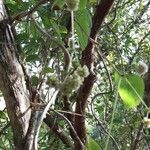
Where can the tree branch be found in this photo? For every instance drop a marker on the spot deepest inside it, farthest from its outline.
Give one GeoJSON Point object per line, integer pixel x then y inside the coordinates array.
{"type": "Point", "coordinates": [50, 121]}
{"type": "Point", "coordinates": [87, 59]}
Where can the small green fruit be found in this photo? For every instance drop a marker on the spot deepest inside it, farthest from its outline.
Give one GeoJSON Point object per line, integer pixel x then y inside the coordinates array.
{"type": "Point", "coordinates": [52, 81]}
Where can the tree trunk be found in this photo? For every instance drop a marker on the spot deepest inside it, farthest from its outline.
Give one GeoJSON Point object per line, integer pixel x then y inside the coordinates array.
{"type": "Point", "coordinates": [87, 59]}
{"type": "Point", "coordinates": [12, 82]}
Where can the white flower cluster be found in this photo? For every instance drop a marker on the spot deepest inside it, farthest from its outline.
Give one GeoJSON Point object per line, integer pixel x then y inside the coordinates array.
{"type": "Point", "coordinates": [74, 81]}
{"type": "Point", "coordinates": [72, 4]}
{"type": "Point", "coordinates": [146, 122]}
{"type": "Point", "coordinates": [142, 68]}
{"type": "Point", "coordinates": [52, 81]}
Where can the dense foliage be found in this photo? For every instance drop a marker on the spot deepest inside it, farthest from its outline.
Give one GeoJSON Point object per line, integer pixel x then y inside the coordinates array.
{"type": "Point", "coordinates": [51, 37]}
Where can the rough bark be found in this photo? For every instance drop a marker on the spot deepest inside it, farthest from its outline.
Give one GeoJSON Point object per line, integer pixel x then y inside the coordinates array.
{"type": "Point", "coordinates": [87, 59]}
{"type": "Point", "coordinates": [12, 82]}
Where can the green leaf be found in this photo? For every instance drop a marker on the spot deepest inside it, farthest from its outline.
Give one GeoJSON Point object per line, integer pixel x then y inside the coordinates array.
{"type": "Point", "coordinates": [63, 29]}
{"type": "Point", "coordinates": [3, 115]}
{"type": "Point", "coordinates": [82, 4]}
{"type": "Point", "coordinates": [13, 7]}
{"type": "Point", "coordinates": [24, 6]}
{"type": "Point", "coordinates": [131, 90]}
{"type": "Point", "coordinates": [32, 58]}
{"type": "Point", "coordinates": [92, 145]}
{"type": "Point", "coordinates": [117, 77]}
{"type": "Point", "coordinates": [34, 80]}
{"type": "Point", "coordinates": [141, 6]}
{"type": "Point", "coordinates": [34, 30]}
{"type": "Point", "coordinates": [22, 37]}
{"type": "Point", "coordinates": [83, 25]}
{"type": "Point", "coordinates": [55, 27]}
{"type": "Point", "coordinates": [48, 70]}
{"type": "Point", "coordinates": [46, 21]}
{"type": "Point", "coordinates": [18, 6]}
{"type": "Point", "coordinates": [32, 47]}
{"type": "Point", "coordinates": [93, 1]}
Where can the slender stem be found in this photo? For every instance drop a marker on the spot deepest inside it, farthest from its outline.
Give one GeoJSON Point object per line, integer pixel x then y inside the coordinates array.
{"type": "Point", "coordinates": [113, 114]}
{"type": "Point", "coordinates": [72, 29]}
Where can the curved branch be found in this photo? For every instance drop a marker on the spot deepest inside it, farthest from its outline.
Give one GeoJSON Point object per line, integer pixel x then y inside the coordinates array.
{"type": "Point", "coordinates": [100, 123]}
{"type": "Point", "coordinates": [49, 121]}
{"type": "Point", "coordinates": [71, 126]}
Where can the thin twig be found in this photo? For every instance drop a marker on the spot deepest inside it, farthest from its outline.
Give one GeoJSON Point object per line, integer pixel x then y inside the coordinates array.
{"type": "Point", "coordinates": [69, 123]}
{"type": "Point", "coordinates": [40, 106]}
{"type": "Point", "coordinates": [114, 17]}
{"type": "Point", "coordinates": [108, 74]}
{"type": "Point", "coordinates": [100, 123]}
{"type": "Point", "coordinates": [58, 131]}
{"type": "Point", "coordinates": [41, 116]}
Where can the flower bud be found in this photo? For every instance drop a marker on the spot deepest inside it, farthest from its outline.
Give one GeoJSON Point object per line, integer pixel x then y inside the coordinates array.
{"type": "Point", "coordinates": [142, 68]}
{"type": "Point", "coordinates": [72, 4]}
{"type": "Point", "coordinates": [146, 122]}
